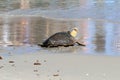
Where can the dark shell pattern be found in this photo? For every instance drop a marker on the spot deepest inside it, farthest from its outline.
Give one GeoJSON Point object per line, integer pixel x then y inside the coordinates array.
{"type": "Point", "coordinates": [59, 39]}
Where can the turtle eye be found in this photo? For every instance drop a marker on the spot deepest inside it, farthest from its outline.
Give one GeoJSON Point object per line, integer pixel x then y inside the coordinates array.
{"type": "Point", "coordinates": [76, 30]}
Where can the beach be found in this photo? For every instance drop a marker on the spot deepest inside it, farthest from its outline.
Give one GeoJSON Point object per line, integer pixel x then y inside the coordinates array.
{"type": "Point", "coordinates": [40, 65]}
{"type": "Point", "coordinates": [26, 23]}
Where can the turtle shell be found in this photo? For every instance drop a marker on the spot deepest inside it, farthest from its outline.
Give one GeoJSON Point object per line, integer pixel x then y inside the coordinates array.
{"type": "Point", "coordinates": [59, 39]}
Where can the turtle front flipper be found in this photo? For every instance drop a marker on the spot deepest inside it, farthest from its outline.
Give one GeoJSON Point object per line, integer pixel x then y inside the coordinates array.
{"type": "Point", "coordinates": [80, 44]}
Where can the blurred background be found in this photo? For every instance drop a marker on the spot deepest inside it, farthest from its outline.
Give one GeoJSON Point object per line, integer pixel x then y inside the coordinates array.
{"type": "Point", "coordinates": [32, 21]}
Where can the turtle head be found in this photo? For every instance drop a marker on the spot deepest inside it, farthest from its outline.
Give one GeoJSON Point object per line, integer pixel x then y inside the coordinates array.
{"type": "Point", "coordinates": [74, 32]}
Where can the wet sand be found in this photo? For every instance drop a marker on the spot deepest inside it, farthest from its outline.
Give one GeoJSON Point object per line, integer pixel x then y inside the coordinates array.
{"type": "Point", "coordinates": [43, 66]}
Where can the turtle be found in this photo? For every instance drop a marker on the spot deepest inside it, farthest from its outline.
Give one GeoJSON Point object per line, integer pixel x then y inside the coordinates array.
{"type": "Point", "coordinates": [66, 38]}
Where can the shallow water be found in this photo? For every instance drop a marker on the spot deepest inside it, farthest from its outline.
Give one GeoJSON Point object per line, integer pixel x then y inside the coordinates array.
{"type": "Point", "coordinates": [31, 22]}
{"type": "Point", "coordinates": [100, 36]}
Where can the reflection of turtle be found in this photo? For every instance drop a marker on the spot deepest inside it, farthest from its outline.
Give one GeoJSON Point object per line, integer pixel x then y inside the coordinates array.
{"type": "Point", "coordinates": [62, 39]}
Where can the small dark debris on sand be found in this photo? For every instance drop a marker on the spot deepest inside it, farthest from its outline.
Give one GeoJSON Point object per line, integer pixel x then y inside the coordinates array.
{"type": "Point", "coordinates": [58, 71]}
{"type": "Point", "coordinates": [55, 75]}
{"type": "Point", "coordinates": [1, 58]}
{"type": "Point", "coordinates": [35, 70]}
{"type": "Point", "coordinates": [45, 61]}
{"type": "Point", "coordinates": [37, 62]}
{"type": "Point", "coordinates": [13, 65]}
{"type": "Point", "coordinates": [37, 74]}
{"type": "Point", "coordinates": [1, 67]}
{"type": "Point", "coordinates": [11, 61]}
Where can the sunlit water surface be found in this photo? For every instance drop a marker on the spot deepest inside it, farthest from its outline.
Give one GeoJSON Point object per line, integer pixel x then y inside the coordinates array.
{"type": "Point", "coordinates": [27, 23]}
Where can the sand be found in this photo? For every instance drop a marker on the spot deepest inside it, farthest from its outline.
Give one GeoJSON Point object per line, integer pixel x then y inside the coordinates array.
{"type": "Point", "coordinates": [43, 66]}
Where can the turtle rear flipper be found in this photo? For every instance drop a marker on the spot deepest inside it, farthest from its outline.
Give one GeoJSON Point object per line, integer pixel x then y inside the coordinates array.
{"type": "Point", "coordinates": [42, 45]}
